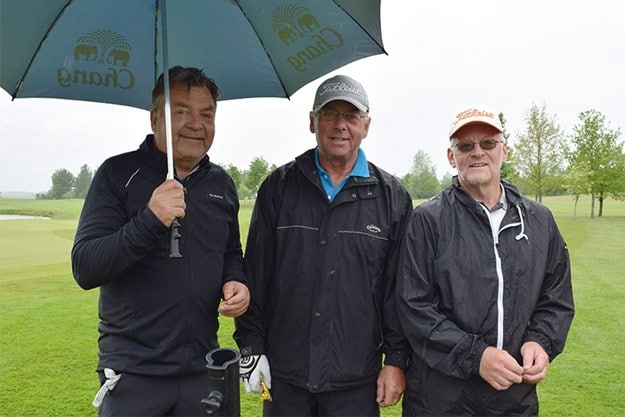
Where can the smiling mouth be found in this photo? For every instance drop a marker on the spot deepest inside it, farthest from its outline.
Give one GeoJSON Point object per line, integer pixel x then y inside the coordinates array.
{"type": "Point", "coordinates": [191, 138]}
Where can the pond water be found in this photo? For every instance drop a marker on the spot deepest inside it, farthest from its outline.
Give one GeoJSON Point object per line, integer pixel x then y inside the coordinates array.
{"type": "Point", "coordinates": [20, 217]}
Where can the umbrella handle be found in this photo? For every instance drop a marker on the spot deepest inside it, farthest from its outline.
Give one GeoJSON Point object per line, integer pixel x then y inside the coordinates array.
{"type": "Point", "coordinates": [174, 237]}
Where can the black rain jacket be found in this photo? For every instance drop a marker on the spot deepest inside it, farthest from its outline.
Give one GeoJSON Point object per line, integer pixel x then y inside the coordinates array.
{"type": "Point", "coordinates": [322, 277]}
{"type": "Point", "coordinates": [158, 315]}
{"type": "Point", "coordinates": [458, 289]}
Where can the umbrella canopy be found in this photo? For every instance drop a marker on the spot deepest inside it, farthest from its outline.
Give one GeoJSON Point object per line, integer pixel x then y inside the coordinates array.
{"type": "Point", "coordinates": [111, 51]}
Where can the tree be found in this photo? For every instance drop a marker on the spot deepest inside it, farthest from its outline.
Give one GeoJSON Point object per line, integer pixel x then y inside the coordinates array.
{"type": "Point", "coordinates": [508, 172]}
{"type": "Point", "coordinates": [576, 182]}
{"type": "Point", "coordinates": [62, 184]}
{"type": "Point", "coordinates": [421, 182]}
{"type": "Point", "coordinates": [82, 182]}
{"type": "Point", "coordinates": [596, 146]}
{"type": "Point", "coordinates": [236, 175]}
{"type": "Point", "coordinates": [445, 181]}
{"type": "Point", "coordinates": [258, 171]}
{"type": "Point", "coordinates": [539, 151]}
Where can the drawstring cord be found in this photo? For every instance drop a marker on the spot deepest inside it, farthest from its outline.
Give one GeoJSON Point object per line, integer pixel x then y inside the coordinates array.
{"type": "Point", "coordinates": [522, 234]}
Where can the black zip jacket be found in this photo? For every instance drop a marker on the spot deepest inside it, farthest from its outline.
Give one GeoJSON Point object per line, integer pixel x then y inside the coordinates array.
{"type": "Point", "coordinates": [459, 292]}
{"type": "Point", "coordinates": [321, 276]}
{"type": "Point", "coordinates": [158, 315]}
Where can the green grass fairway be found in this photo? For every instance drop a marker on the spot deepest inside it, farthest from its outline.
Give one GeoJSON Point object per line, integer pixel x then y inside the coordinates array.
{"type": "Point", "coordinates": [48, 334]}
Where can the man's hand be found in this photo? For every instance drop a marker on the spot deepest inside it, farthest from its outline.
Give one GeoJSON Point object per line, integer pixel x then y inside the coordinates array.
{"type": "Point", "coordinates": [535, 362]}
{"type": "Point", "coordinates": [167, 202]}
{"type": "Point", "coordinates": [254, 369]}
{"type": "Point", "coordinates": [391, 385]}
{"type": "Point", "coordinates": [236, 299]}
{"type": "Point", "coordinates": [500, 369]}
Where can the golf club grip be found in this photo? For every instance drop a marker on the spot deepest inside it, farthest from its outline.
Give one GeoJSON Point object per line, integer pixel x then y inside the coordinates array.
{"type": "Point", "coordinates": [174, 236]}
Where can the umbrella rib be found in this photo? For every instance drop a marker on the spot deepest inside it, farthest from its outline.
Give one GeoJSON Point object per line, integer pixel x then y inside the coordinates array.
{"type": "Point", "coordinates": [157, 11]}
{"type": "Point", "coordinates": [19, 84]}
{"type": "Point", "coordinates": [275, 70]}
{"type": "Point", "coordinates": [360, 26]}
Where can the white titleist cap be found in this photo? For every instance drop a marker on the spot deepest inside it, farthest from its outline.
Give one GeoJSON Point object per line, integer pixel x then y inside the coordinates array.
{"type": "Point", "coordinates": [475, 114]}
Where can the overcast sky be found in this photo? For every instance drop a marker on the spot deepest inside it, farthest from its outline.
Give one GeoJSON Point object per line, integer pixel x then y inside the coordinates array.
{"type": "Point", "coordinates": [442, 56]}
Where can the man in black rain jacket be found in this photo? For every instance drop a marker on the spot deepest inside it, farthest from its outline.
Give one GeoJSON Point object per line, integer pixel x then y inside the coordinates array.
{"type": "Point", "coordinates": [158, 315]}
{"type": "Point", "coordinates": [320, 263]}
{"type": "Point", "coordinates": [484, 286]}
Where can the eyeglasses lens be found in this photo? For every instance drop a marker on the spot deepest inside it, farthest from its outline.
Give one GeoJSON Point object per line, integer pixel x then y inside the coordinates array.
{"type": "Point", "coordinates": [486, 144]}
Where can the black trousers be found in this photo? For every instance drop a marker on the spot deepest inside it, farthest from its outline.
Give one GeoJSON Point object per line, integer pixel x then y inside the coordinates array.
{"type": "Point", "coordinates": [138, 395]}
{"type": "Point", "coordinates": [290, 400]}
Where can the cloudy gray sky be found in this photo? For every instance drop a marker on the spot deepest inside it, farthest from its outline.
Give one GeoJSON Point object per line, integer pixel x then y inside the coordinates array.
{"type": "Point", "coordinates": [442, 56]}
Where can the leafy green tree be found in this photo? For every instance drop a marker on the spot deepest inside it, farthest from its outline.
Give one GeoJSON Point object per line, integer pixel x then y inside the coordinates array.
{"type": "Point", "coordinates": [236, 175]}
{"type": "Point", "coordinates": [421, 182]}
{"type": "Point", "coordinates": [539, 152]}
{"type": "Point", "coordinates": [597, 147]}
{"type": "Point", "coordinates": [508, 172]}
{"type": "Point", "coordinates": [576, 182]}
{"type": "Point", "coordinates": [82, 182]}
{"type": "Point", "coordinates": [62, 184]}
{"type": "Point", "coordinates": [257, 172]}
{"type": "Point", "coordinates": [445, 181]}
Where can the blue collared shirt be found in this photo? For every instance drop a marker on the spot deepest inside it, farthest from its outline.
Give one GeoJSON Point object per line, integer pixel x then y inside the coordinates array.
{"type": "Point", "coordinates": [360, 169]}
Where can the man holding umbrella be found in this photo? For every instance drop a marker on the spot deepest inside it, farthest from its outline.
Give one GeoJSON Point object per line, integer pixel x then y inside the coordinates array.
{"type": "Point", "coordinates": [158, 315]}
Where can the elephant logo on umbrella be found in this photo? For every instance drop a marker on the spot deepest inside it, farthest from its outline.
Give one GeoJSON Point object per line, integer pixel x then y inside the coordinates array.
{"type": "Point", "coordinates": [103, 47]}
{"type": "Point", "coordinates": [292, 23]}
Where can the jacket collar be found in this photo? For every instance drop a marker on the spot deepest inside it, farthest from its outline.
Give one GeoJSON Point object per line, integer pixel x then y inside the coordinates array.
{"type": "Point", "coordinates": [306, 162]}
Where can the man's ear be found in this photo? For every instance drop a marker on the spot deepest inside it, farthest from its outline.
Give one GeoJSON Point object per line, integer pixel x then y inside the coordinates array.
{"type": "Point", "coordinates": [153, 120]}
{"type": "Point", "coordinates": [450, 157]}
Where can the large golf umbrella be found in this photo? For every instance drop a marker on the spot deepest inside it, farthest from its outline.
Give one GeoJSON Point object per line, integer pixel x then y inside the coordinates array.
{"type": "Point", "coordinates": [112, 51]}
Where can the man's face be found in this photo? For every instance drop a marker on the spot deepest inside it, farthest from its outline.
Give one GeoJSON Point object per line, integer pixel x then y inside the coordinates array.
{"type": "Point", "coordinates": [339, 140]}
{"type": "Point", "coordinates": [192, 124]}
{"type": "Point", "coordinates": [477, 167]}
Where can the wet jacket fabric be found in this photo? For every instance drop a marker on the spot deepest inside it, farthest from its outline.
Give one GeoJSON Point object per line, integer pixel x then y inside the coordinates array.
{"type": "Point", "coordinates": [459, 291]}
{"type": "Point", "coordinates": [321, 276]}
{"type": "Point", "coordinates": [158, 315]}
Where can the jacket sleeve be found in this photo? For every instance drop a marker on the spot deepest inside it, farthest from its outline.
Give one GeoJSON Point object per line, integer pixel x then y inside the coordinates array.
{"type": "Point", "coordinates": [106, 243]}
{"type": "Point", "coordinates": [395, 346]}
{"type": "Point", "coordinates": [259, 265]}
{"type": "Point", "coordinates": [553, 314]}
{"type": "Point", "coordinates": [436, 339]}
{"type": "Point", "coordinates": [233, 255]}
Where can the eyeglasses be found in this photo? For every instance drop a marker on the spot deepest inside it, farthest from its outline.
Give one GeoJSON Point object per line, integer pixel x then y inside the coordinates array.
{"type": "Point", "coordinates": [351, 117]}
{"type": "Point", "coordinates": [485, 144]}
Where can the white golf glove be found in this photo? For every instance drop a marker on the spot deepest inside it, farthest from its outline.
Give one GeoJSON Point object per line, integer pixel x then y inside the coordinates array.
{"type": "Point", "coordinates": [253, 369]}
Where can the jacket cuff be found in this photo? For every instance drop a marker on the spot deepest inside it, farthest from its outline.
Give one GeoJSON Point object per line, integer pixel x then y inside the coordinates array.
{"type": "Point", "coordinates": [478, 351]}
{"type": "Point", "coordinates": [257, 349]}
{"type": "Point", "coordinates": [399, 359]}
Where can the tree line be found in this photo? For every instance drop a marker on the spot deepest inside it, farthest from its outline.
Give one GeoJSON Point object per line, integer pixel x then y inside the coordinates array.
{"type": "Point", "coordinates": [542, 160]}
{"type": "Point", "coordinates": [66, 185]}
